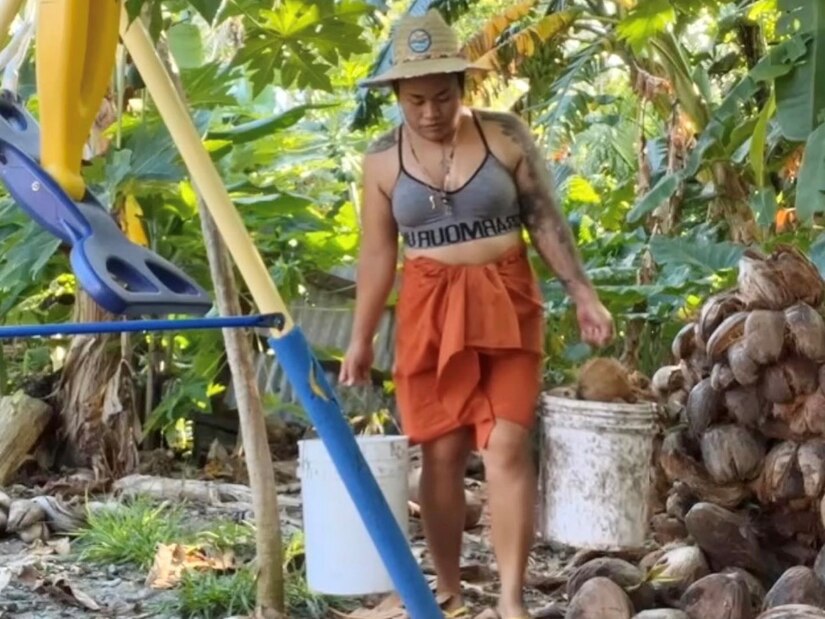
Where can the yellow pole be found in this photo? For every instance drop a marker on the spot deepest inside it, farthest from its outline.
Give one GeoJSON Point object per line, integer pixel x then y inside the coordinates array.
{"type": "Point", "coordinates": [203, 172]}
{"type": "Point", "coordinates": [8, 11]}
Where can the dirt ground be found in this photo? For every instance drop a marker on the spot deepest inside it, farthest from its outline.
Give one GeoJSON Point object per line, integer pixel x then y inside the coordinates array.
{"type": "Point", "coordinates": [47, 580]}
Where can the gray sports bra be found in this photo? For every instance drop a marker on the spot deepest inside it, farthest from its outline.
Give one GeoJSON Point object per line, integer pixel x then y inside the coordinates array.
{"type": "Point", "coordinates": [486, 205]}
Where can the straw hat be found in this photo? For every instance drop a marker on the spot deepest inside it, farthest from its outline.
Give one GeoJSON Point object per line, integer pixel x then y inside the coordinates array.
{"type": "Point", "coordinates": [422, 45]}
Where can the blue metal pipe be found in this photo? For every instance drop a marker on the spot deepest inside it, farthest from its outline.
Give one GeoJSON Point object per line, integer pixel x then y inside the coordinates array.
{"type": "Point", "coordinates": [120, 326]}
{"type": "Point", "coordinates": [310, 384]}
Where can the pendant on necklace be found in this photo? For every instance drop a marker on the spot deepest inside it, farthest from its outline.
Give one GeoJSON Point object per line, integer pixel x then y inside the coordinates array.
{"type": "Point", "coordinates": [432, 201]}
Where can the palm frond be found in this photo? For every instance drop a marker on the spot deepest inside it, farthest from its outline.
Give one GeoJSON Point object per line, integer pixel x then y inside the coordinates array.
{"type": "Point", "coordinates": [487, 37]}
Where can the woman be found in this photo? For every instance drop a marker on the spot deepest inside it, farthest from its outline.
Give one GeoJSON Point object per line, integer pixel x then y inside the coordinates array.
{"type": "Point", "coordinates": [460, 185]}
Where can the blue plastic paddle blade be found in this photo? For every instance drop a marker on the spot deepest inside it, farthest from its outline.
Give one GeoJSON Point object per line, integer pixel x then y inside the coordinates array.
{"type": "Point", "coordinates": [121, 276]}
{"type": "Point", "coordinates": [17, 126]}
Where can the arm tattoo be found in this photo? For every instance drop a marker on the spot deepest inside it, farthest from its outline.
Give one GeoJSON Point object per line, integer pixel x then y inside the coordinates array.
{"type": "Point", "coordinates": [540, 212]}
{"type": "Point", "coordinates": [383, 143]}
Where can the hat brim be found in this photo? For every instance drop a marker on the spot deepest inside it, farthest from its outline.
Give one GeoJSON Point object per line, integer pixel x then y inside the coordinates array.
{"type": "Point", "coordinates": [420, 68]}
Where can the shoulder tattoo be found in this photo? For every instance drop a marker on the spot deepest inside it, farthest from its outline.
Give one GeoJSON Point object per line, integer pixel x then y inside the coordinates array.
{"type": "Point", "coordinates": [385, 142]}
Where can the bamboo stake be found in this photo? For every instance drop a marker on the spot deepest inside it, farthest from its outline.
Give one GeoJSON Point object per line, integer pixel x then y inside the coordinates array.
{"type": "Point", "coordinates": [203, 172]}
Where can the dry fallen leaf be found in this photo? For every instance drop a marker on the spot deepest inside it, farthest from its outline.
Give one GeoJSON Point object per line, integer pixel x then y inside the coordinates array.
{"type": "Point", "coordinates": [60, 546]}
{"type": "Point", "coordinates": [172, 559]}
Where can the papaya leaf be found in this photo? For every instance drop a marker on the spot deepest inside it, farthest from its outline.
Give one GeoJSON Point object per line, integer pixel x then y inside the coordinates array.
{"type": "Point", "coordinates": [263, 127]}
{"type": "Point", "coordinates": [185, 45]}
{"type": "Point", "coordinates": [207, 8]}
{"type": "Point", "coordinates": [810, 184]}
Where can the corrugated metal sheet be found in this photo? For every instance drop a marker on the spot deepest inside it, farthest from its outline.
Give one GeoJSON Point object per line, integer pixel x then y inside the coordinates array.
{"type": "Point", "coordinates": [327, 323]}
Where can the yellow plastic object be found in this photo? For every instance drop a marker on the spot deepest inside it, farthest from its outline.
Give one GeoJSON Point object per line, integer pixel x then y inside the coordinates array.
{"type": "Point", "coordinates": [75, 56]}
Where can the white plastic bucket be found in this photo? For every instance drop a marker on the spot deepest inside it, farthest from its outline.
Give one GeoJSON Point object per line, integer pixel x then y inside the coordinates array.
{"type": "Point", "coordinates": [341, 558]}
{"type": "Point", "coordinates": [595, 472]}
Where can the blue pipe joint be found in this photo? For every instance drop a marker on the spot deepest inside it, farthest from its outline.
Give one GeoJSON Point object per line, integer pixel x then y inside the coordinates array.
{"type": "Point", "coordinates": [315, 394]}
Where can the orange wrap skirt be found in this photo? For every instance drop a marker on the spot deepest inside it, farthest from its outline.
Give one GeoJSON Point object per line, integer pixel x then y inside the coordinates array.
{"type": "Point", "coordinates": [468, 346]}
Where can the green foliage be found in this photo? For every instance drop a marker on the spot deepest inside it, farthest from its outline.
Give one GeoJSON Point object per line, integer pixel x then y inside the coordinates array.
{"type": "Point", "coordinates": [207, 595]}
{"type": "Point", "coordinates": [129, 533]}
{"type": "Point", "coordinates": [301, 41]}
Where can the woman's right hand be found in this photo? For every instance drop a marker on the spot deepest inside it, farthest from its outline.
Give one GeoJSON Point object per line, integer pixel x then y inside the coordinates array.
{"type": "Point", "coordinates": [355, 370]}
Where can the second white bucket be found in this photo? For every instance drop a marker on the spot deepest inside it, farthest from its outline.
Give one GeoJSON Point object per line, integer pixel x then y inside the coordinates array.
{"type": "Point", "coordinates": [341, 558]}
{"type": "Point", "coordinates": [595, 472]}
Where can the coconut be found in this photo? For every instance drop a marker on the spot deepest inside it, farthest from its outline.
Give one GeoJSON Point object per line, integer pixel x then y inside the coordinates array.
{"type": "Point", "coordinates": [811, 419]}
{"type": "Point", "coordinates": [764, 335]}
{"type": "Point", "coordinates": [679, 500]}
{"type": "Point", "coordinates": [684, 344]}
{"type": "Point", "coordinates": [702, 407]}
{"type": "Point", "coordinates": [799, 273]}
{"type": "Point", "coordinates": [600, 598]}
{"type": "Point", "coordinates": [731, 453]}
{"type": "Point", "coordinates": [793, 611]}
{"type": "Point", "coordinates": [629, 577]}
{"type": "Point", "coordinates": [23, 513]}
{"type": "Point", "coordinates": [728, 539]}
{"type": "Point", "coordinates": [780, 479]}
{"type": "Point", "coordinates": [666, 380]}
{"type": "Point", "coordinates": [806, 329]}
{"type": "Point", "coordinates": [675, 404]}
{"type": "Point", "coordinates": [675, 571]}
{"type": "Point", "coordinates": [760, 285]}
{"type": "Point", "coordinates": [714, 311]}
{"type": "Point", "coordinates": [721, 376]}
{"type": "Point", "coordinates": [717, 596]}
{"type": "Point", "coordinates": [757, 591]}
{"type": "Point", "coordinates": [775, 386]}
{"type": "Point", "coordinates": [744, 369]}
{"type": "Point", "coordinates": [811, 461]}
{"type": "Point", "coordinates": [731, 330]}
{"type": "Point", "coordinates": [679, 464]}
{"type": "Point", "coordinates": [743, 405]}
{"type": "Point", "coordinates": [798, 585]}
{"type": "Point", "coordinates": [661, 613]}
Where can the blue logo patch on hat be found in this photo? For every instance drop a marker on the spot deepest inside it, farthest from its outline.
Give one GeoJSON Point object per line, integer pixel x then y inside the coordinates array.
{"type": "Point", "coordinates": [419, 41]}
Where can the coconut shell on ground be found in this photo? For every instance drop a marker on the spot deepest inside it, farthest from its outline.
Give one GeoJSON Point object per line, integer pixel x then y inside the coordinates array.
{"type": "Point", "coordinates": [793, 611]}
{"type": "Point", "coordinates": [661, 613]}
{"type": "Point", "coordinates": [731, 453]}
{"type": "Point", "coordinates": [703, 407]}
{"type": "Point", "coordinates": [714, 311]}
{"type": "Point", "coordinates": [798, 585]}
{"type": "Point", "coordinates": [806, 329]}
{"type": "Point", "coordinates": [600, 598]}
{"type": "Point", "coordinates": [629, 577]}
{"type": "Point", "coordinates": [726, 538]}
{"type": "Point", "coordinates": [717, 596]}
{"type": "Point", "coordinates": [765, 336]}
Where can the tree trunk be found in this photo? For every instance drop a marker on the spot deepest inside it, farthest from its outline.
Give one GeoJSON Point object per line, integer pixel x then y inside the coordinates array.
{"type": "Point", "coordinates": [97, 398]}
{"type": "Point", "coordinates": [270, 582]}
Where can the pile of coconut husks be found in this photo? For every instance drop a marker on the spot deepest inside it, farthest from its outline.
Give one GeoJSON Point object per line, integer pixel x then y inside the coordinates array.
{"type": "Point", "coordinates": [741, 465]}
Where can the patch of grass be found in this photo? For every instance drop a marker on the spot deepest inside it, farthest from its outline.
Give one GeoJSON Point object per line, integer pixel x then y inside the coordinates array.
{"type": "Point", "coordinates": [129, 533]}
{"type": "Point", "coordinates": [207, 595]}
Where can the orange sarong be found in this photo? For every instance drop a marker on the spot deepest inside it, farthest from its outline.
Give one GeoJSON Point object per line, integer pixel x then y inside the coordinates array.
{"type": "Point", "coordinates": [469, 345]}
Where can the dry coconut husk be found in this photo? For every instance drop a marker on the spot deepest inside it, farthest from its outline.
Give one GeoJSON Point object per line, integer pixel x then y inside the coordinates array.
{"type": "Point", "coordinates": [811, 461]}
{"type": "Point", "coordinates": [679, 464]}
{"type": "Point", "coordinates": [744, 369]}
{"type": "Point", "coordinates": [804, 416]}
{"type": "Point", "coordinates": [714, 311]}
{"type": "Point", "coordinates": [793, 611]}
{"type": "Point", "coordinates": [779, 280]}
{"type": "Point", "coordinates": [717, 596]}
{"type": "Point", "coordinates": [603, 379]}
{"type": "Point", "coordinates": [744, 406]}
{"type": "Point", "coordinates": [667, 380]}
{"type": "Point", "coordinates": [721, 376]}
{"type": "Point", "coordinates": [675, 571]}
{"type": "Point", "coordinates": [684, 344]}
{"type": "Point", "coordinates": [728, 539]}
{"type": "Point", "coordinates": [798, 585]}
{"type": "Point", "coordinates": [703, 407]}
{"type": "Point", "coordinates": [600, 598]}
{"type": "Point", "coordinates": [781, 479]}
{"type": "Point", "coordinates": [626, 575]}
{"type": "Point", "coordinates": [806, 330]}
{"type": "Point", "coordinates": [661, 613]}
{"type": "Point", "coordinates": [726, 334]}
{"type": "Point", "coordinates": [731, 453]}
{"type": "Point", "coordinates": [765, 336]}
{"type": "Point", "coordinates": [755, 588]}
